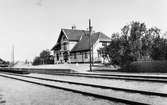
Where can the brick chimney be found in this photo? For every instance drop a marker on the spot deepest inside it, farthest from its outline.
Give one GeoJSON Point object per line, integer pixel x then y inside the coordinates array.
{"type": "Point", "coordinates": [73, 27]}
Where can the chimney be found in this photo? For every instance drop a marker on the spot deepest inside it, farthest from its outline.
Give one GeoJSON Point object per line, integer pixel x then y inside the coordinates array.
{"type": "Point", "coordinates": [73, 27]}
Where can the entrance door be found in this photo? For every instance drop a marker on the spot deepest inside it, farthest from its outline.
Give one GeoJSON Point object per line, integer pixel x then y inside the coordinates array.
{"type": "Point", "coordinates": [65, 55]}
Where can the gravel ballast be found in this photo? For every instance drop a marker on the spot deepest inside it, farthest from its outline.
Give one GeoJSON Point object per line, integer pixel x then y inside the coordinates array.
{"type": "Point", "coordinates": [14, 92]}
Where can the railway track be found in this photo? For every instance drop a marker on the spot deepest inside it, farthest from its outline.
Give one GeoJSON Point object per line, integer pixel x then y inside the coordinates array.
{"type": "Point", "coordinates": [148, 78]}
{"type": "Point", "coordinates": [128, 96]}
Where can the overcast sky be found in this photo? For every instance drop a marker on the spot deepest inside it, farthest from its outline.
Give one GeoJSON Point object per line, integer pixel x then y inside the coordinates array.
{"type": "Point", "coordinates": [34, 25]}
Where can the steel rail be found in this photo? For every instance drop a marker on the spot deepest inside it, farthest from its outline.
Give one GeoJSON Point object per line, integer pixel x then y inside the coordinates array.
{"type": "Point", "coordinates": [120, 77]}
{"type": "Point", "coordinates": [77, 91]}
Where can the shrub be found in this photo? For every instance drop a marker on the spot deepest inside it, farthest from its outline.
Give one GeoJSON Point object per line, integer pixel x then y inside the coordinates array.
{"type": "Point", "coordinates": [44, 58]}
{"type": "Point", "coordinates": [146, 66]}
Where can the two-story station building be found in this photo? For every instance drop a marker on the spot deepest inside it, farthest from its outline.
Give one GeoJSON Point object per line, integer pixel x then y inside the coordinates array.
{"type": "Point", "coordinates": [73, 46]}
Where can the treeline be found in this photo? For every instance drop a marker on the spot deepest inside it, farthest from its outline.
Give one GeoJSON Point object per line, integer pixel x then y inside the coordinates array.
{"type": "Point", "coordinates": [136, 42]}
{"type": "Point", "coordinates": [45, 57]}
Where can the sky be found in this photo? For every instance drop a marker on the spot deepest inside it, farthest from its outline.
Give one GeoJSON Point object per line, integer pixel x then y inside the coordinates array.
{"type": "Point", "coordinates": [34, 25]}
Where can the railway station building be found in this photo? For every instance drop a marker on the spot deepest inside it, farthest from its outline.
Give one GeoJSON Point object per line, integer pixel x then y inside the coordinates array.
{"type": "Point", "coordinates": [72, 46]}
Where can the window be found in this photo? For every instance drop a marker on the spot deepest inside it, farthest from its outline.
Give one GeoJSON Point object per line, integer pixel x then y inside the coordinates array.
{"type": "Point", "coordinates": [65, 46]}
{"type": "Point", "coordinates": [104, 44]}
{"type": "Point", "coordinates": [57, 55]}
{"type": "Point", "coordinates": [98, 52]}
{"type": "Point", "coordinates": [86, 55]}
{"type": "Point", "coordinates": [75, 56]}
{"type": "Point", "coordinates": [64, 38]}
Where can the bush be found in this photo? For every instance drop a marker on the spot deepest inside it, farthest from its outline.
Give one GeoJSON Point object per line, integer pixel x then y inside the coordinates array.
{"type": "Point", "coordinates": [146, 66]}
{"type": "Point", "coordinates": [36, 61]}
{"type": "Point", "coordinates": [44, 58]}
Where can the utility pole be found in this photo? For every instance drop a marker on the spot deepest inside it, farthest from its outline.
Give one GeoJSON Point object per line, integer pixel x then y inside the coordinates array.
{"type": "Point", "coordinates": [13, 55]}
{"type": "Point", "coordinates": [90, 44]}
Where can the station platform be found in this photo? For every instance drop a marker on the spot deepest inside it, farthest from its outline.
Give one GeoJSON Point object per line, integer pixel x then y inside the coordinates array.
{"type": "Point", "coordinates": [81, 68]}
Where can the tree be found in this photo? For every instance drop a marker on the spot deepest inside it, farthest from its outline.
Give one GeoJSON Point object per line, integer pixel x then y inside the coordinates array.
{"type": "Point", "coordinates": [36, 61]}
{"type": "Point", "coordinates": [137, 31]}
{"type": "Point", "coordinates": [154, 44]}
{"type": "Point", "coordinates": [159, 48]}
{"type": "Point", "coordinates": [119, 50]}
{"type": "Point", "coordinates": [126, 48]}
{"type": "Point", "coordinates": [136, 42]}
{"type": "Point", "coordinates": [113, 50]}
{"type": "Point", "coordinates": [44, 58]}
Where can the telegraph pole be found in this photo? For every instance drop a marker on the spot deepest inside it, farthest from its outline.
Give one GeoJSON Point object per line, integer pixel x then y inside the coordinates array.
{"type": "Point", "coordinates": [90, 44]}
{"type": "Point", "coordinates": [13, 55]}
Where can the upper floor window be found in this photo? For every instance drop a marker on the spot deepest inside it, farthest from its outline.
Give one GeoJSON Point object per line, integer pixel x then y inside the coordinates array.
{"type": "Point", "coordinates": [65, 46]}
{"type": "Point", "coordinates": [64, 38]}
{"type": "Point", "coordinates": [104, 44]}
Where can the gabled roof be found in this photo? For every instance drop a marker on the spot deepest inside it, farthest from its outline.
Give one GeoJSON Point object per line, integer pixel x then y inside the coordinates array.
{"type": "Point", "coordinates": [82, 37]}
{"type": "Point", "coordinates": [73, 34]}
{"type": "Point", "coordinates": [1, 61]}
{"type": "Point", "coordinates": [83, 44]}
{"type": "Point", "coordinates": [103, 37]}
{"type": "Point", "coordinates": [56, 47]}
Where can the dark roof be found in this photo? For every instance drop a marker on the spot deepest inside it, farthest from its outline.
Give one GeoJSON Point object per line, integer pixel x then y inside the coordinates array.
{"type": "Point", "coordinates": [1, 61]}
{"type": "Point", "coordinates": [56, 47]}
{"type": "Point", "coordinates": [103, 37]}
{"type": "Point", "coordinates": [81, 36]}
{"type": "Point", "coordinates": [83, 44]}
{"type": "Point", "coordinates": [74, 34]}
{"type": "Point", "coordinates": [71, 34]}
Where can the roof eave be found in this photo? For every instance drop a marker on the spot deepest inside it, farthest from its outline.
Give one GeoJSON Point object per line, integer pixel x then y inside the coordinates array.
{"type": "Point", "coordinates": [65, 34]}
{"type": "Point", "coordinates": [79, 51]}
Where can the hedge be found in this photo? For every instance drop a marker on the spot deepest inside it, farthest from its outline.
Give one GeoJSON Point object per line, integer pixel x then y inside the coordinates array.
{"type": "Point", "coordinates": [146, 66]}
